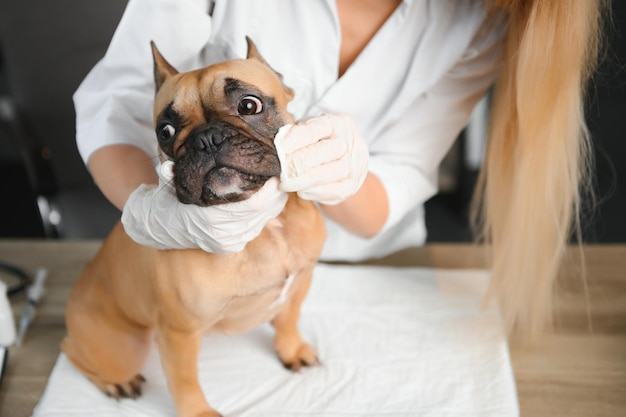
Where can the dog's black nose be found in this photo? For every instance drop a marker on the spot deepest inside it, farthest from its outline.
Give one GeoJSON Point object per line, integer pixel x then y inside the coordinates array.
{"type": "Point", "coordinates": [207, 138]}
{"type": "Point", "coordinates": [202, 142]}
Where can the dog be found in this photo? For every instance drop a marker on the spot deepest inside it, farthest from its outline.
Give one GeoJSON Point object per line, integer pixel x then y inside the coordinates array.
{"type": "Point", "coordinates": [217, 124]}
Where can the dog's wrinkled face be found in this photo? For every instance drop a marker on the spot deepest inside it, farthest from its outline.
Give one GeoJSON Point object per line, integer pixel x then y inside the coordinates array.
{"type": "Point", "coordinates": [217, 125]}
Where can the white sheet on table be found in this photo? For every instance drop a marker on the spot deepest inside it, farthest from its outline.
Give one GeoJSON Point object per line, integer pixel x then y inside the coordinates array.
{"type": "Point", "coordinates": [393, 342]}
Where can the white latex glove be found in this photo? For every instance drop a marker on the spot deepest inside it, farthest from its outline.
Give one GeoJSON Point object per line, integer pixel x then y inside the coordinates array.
{"type": "Point", "coordinates": [323, 158]}
{"type": "Point", "coordinates": [153, 216]}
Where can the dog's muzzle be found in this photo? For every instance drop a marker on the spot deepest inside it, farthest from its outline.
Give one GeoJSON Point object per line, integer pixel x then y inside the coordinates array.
{"type": "Point", "coordinates": [219, 164]}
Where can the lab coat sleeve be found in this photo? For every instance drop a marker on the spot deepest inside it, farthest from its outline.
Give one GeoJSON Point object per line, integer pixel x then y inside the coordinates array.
{"type": "Point", "coordinates": [114, 102]}
{"type": "Point", "coordinates": [407, 154]}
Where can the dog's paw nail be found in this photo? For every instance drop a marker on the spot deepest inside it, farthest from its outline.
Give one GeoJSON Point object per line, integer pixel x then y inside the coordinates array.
{"type": "Point", "coordinates": [130, 389]}
{"type": "Point", "coordinates": [293, 366]}
{"type": "Point", "coordinates": [304, 356]}
{"type": "Point", "coordinates": [114, 391]}
{"type": "Point", "coordinates": [298, 364]}
{"type": "Point", "coordinates": [135, 386]}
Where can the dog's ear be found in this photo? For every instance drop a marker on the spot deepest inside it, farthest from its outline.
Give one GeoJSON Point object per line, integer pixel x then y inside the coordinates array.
{"type": "Point", "coordinates": [253, 53]}
{"type": "Point", "coordinates": [162, 69]}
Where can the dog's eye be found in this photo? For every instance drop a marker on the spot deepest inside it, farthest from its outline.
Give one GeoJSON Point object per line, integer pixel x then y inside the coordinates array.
{"type": "Point", "coordinates": [166, 132]}
{"type": "Point", "coordinates": [250, 105]}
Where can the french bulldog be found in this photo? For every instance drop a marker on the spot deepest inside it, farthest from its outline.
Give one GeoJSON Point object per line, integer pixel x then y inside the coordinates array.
{"type": "Point", "coordinates": [217, 125]}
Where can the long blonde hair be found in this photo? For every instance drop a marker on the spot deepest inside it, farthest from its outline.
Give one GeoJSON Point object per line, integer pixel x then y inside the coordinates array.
{"type": "Point", "coordinates": [528, 199]}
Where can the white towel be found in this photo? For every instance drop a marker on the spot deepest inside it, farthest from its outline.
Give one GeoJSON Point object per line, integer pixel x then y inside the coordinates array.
{"type": "Point", "coordinates": [393, 342]}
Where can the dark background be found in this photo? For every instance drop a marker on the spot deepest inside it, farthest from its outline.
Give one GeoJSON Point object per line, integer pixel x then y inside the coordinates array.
{"type": "Point", "coordinates": [47, 48]}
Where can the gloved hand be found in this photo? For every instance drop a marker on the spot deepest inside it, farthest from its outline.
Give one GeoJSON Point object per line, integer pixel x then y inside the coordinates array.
{"type": "Point", "coordinates": [153, 216]}
{"type": "Point", "coordinates": [323, 158]}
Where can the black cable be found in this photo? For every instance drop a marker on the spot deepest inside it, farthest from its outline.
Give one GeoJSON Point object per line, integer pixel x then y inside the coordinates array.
{"type": "Point", "coordinates": [19, 274]}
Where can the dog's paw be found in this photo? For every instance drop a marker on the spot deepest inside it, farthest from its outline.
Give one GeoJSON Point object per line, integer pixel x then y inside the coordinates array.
{"type": "Point", "coordinates": [130, 389]}
{"type": "Point", "coordinates": [304, 355]}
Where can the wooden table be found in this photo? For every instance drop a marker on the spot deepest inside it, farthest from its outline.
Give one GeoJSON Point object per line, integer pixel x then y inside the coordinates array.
{"type": "Point", "coordinates": [579, 370]}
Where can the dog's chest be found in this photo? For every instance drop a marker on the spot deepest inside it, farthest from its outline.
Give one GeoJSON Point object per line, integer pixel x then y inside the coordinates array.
{"type": "Point", "coordinates": [243, 312]}
{"type": "Point", "coordinates": [236, 293]}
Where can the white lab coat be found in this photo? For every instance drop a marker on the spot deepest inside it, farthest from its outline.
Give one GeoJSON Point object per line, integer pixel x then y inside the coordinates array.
{"type": "Point", "coordinates": [410, 91]}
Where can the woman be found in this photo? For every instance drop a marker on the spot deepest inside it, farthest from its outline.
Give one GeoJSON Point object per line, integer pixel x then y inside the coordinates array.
{"type": "Point", "coordinates": [390, 84]}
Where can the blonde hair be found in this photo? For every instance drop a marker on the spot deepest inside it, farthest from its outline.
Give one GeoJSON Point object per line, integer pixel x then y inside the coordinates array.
{"type": "Point", "coordinates": [527, 200]}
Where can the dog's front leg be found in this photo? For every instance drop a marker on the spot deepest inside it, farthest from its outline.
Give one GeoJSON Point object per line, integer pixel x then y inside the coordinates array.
{"type": "Point", "coordinates": [179, 356]}
{"type": "Point", "coordinates": [292, 350]}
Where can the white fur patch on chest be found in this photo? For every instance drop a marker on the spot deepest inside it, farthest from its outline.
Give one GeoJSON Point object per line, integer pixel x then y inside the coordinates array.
{"type": "Point", "coordinates": [284, 293]}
